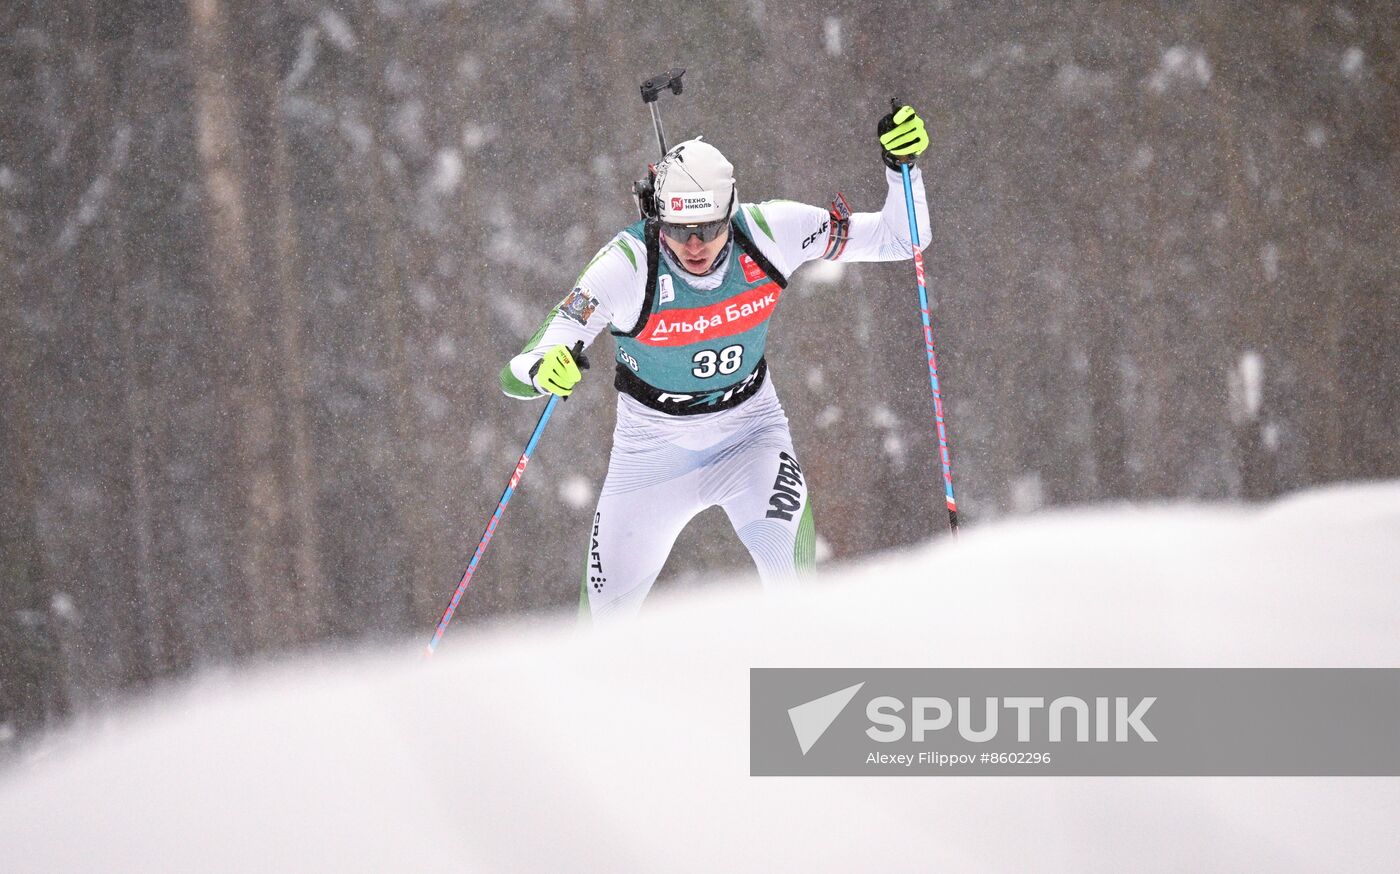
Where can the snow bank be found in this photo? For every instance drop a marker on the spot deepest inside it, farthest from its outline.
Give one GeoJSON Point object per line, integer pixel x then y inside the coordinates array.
{"type": "Point", "coordinates": [532, 748]}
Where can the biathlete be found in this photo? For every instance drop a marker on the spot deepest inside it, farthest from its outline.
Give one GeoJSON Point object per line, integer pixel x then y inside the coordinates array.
{"type": "Point", "coordinates": [688, 293]}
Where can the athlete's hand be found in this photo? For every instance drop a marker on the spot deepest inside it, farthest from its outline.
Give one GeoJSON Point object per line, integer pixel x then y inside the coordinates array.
{"type": "Point", "coordinates": [559, 371]}
{"type": "Point", "coordinates": [902, 135]}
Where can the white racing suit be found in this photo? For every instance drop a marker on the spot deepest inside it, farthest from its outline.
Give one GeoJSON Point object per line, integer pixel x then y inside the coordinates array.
{"type": "Point", "coordinates": [698, 420]}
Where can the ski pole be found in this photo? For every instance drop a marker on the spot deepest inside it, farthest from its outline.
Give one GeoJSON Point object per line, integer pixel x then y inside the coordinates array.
{"type": "Point", "coordinates": [944, 456]}
{"type": "Point", "coordinates": [500, 509]}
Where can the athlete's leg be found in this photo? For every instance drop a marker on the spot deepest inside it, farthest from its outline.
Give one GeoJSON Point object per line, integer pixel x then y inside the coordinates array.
{"type": "Point", "coordinates": [648, 497]}
{"type": "Point", "coordinates": [764, 492]}
{"type": "Point", "coordinates": [631, 536]}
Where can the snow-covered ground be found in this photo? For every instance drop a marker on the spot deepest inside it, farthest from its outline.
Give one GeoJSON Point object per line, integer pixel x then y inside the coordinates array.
{"type": "Point", "coordinates": [541, 748]}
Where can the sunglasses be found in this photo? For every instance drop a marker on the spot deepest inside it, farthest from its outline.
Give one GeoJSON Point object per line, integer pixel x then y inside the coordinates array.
{"type": "Point", "coordinates": [706, 231]}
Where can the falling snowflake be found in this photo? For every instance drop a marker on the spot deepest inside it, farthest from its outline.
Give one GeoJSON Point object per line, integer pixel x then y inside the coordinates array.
{"type": "Point", "coordinates": [576, 492]}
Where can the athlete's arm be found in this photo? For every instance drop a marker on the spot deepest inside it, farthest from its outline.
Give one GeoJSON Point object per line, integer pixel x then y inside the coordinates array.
{"type": "Point", "coordinates": [884, 235]}
{"type": "Point", "coordinates": [903, 137]}
{"type": "Point", "coordinates": [609, 290]}
{"type": "Point", "coordinates": [803, 233]}
{"type": "Point", "coordinates": [790, 234]}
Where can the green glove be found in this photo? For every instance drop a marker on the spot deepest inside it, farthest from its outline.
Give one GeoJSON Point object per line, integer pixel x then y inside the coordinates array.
{"type": "Point", "coordinates": [558, 372]}
{"type": "Point", "coordinates": [902, 136]}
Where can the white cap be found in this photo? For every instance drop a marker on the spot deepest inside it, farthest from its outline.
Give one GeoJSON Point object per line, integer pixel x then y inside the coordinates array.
{"type": "Point", "coordinates": [694, 183]}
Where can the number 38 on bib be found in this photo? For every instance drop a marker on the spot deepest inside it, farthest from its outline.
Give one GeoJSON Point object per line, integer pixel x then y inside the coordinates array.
{"type": "Point", "coordinates": [710, 363]}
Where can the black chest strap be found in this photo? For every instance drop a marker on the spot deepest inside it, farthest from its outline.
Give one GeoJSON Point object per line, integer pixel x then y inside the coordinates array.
{"type": "Point", "coordinates": [748, 248]}
{"type": "Point", "coordinates": [652, 234]}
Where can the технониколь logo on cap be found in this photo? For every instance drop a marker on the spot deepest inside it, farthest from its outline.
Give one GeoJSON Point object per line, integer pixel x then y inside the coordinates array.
{"type": "Point", "coordinates": [692, 202]}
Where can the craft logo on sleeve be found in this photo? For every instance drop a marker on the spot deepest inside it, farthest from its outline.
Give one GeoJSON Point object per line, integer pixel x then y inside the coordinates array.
{"type": "Point", "coordinates": [812, 238]}
{"type": "Point", "coordinates": [578, 305]}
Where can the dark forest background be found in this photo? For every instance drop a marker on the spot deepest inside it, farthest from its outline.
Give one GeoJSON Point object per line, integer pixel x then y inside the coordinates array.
{"type": "Point", "coordinates": [261, 260]}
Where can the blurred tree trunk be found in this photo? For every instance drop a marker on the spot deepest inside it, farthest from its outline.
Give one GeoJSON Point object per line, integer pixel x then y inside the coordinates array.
{"type": "Point", "coordinates": [32, 670]}
{"type": "Point", "coordinates": [389, 246]}
{"type": "Point", "coordinates": [303, 535]}
{"type": "Point", "coordinates": [128, 311]}
{"type": "Point", "coordinates": [244, 174]}
{"type": "Point", "coordinates": [1246, 278]}
{"type": "Point", "coordinates": [1368, 129]}
{"type": "Point", "coordinates": [109, 577]}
